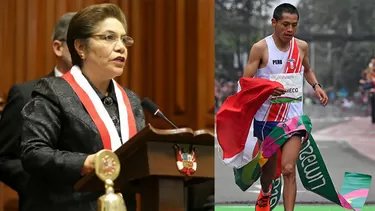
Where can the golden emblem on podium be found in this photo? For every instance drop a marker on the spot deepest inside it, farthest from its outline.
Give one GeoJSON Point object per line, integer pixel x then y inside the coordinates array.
{"type": "Point", "coordinates": [107, 168]}
{"type": "Point", "coordinates": [186, 161]}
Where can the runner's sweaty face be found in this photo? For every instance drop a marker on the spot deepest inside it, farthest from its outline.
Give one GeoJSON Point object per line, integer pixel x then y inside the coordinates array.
{"type": "Point", "coordinates": [286, 27]}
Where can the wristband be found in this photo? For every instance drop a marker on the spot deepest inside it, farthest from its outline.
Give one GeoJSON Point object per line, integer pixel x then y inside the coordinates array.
{"type": "Point", "coordinates": [314, 85]}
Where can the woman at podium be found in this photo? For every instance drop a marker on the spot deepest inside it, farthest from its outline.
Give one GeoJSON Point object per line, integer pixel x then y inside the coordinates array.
{"type": "Point", "coordinates": [72, 117]}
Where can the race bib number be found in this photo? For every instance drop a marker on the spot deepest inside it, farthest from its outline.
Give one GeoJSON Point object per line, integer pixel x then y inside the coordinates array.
{"type": "Point", "coordinates": [293, 83]}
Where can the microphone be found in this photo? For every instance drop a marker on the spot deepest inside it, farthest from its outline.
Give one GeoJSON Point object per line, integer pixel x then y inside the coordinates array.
{"type": "Point", "coordinates": [154, 110]}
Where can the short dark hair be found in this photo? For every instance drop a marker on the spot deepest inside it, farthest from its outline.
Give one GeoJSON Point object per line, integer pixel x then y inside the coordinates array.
{"type": "Point", "coordinates": [61, 27]}
{"type": "Point", "coordinates": [84, 23]}
{"type": "Point", "coordinates": [284, 8]}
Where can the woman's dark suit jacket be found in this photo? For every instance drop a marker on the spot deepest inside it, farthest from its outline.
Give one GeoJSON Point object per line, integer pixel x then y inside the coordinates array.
{"type": "Point", "coordinates": [58, 134]}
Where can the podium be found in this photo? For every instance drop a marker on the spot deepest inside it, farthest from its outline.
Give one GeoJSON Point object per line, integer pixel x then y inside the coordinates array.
{"type": "Point", "coordinates": [148, 165]}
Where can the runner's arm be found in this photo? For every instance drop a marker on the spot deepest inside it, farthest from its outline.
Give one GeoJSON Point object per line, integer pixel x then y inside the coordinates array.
{"type": "Point", "coordinates": [254, 60]}
{"type": "Point", "coordinates": [308, 73]}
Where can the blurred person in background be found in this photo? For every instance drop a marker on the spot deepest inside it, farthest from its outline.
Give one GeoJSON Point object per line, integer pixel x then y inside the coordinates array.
{"type": "Point", "coordinates": [368, 84]}
{"type": "Point", "coordinates": [11, 170]}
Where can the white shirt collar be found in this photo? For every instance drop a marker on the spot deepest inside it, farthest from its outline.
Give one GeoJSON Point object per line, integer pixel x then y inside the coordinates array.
{"type": "Point", "coordinates": [57, 72]}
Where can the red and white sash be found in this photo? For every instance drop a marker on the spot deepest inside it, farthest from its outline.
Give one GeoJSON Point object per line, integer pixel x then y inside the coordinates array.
{"type": "Point", "coordinates": [99, 114]}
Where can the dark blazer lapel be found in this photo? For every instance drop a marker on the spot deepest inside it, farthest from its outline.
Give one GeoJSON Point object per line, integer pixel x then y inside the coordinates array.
{"type": "Point", "coordinates": [81, 113]}
{"type": "Point", "coordinates": [73, 105]}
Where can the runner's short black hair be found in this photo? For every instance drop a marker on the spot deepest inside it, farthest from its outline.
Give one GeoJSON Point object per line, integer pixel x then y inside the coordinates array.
{"type": "Point", "coordinates": [284, 8]}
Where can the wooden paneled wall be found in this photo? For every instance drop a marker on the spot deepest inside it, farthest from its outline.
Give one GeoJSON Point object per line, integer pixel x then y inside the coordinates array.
{"type": "Point", "coordinates": [171, 62]}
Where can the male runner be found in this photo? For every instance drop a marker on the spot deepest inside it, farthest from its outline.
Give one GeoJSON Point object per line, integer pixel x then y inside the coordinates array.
{"type": "Point", "coordinates": [283, 58]}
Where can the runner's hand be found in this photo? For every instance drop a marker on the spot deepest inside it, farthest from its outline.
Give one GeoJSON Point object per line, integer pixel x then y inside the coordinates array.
{"type": "Point", "coordinates": [278, 91]}
{"type": "Point", "coordinates": [321, 95]}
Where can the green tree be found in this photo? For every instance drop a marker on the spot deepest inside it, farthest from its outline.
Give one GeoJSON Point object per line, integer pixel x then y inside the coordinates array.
{"type": "Point", "coordinates": [238, 24]}
{"type": "Point", "coordinates": [339, 63]}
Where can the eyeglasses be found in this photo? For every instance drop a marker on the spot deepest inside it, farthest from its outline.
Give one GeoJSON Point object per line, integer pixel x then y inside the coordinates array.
{"type": "Point", "coordinates": [113, 38]}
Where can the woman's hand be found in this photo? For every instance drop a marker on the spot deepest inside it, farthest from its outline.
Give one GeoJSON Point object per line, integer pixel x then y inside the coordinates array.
{"type": "Point", "coordinates": [89, 164]}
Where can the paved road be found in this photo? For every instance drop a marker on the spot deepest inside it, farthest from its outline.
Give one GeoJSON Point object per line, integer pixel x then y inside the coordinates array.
{"type": "Point", "coordinates": [325, 117]}
{"type": "Point", "coordinates": [297, 208]}
{"type": "Point", "coordinates": [337, 163]}
{"type": "Point", "coordinates": [339, 158]}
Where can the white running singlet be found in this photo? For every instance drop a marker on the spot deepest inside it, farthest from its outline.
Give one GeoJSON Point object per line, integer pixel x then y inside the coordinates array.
{"type": "Point", "coordinates": [280, 63]}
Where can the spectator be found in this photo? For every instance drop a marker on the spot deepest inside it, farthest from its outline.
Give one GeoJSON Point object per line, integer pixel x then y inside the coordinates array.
{"type": "Point", "coordinates": [367, 86]}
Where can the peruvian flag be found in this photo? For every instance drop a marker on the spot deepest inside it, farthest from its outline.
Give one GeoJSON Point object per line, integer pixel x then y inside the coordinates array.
{"type": "Point", "coordinates": [234, 119]}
